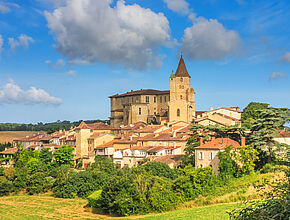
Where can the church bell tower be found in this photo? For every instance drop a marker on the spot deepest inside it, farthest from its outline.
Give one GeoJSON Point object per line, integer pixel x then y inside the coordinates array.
{"type": "Point", "coordinates": [182, 104]}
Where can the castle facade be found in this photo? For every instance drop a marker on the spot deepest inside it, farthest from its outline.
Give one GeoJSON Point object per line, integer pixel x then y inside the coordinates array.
{"type": "Point", "coordinates": [155, 106]}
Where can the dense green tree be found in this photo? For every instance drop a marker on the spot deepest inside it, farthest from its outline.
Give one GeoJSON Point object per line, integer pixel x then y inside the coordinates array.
{"type": "Point", "coordinates": [227, 166]}
{"type": "Point", "coordinates": [265, 128]}
{"type": "Point", "coordinates": [245, 156]}
{"type": "Point", "coordinates": [192, 143]}
{"type": "Point", "coordinates": [64, 155]}
{"type": "Point", "coordinates": [22, 156]}
{"type": "Point", "coordinates": [45, 156]}
{"type": "Point", "coordinates": [250, 113]}
{"type": "Point", "coordinates": [160, 169]}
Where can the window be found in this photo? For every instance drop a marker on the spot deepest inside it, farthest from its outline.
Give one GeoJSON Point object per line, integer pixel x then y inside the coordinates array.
{"type": "Point", "coordinates": [147, 99]}
{"type": "Point", "coordinates": [164, 98]}
{"type": "Point", "coordinates": [211, 155]}
{"type": "Point", "coordinates": [201, 166]}
{"type": "Point", "coordinates": [181, 79]}
{"type": "Point", "coordinates": [178, 112]}
{"type": "Point", "coordinates": [160, 98]}
{"type": "Point", "coordinates": [200, 155]}
{"type": "Point", "coordinates": [181, 97]}
{"type": "Point", "coordinates": [140, 111]}
{"type": "Point", "coordinates": [154, 99]}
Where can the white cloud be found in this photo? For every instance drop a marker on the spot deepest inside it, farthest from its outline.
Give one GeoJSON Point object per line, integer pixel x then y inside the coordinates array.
{"type": "Point", "coordinates": [285, 58]}
{"type": "Point", "coordinates": [126, 35]}
{"type": "Point", "coordinates": [59, 63]}
{"type": "Point", "coordinates": [23, 41]}
{"type": "Point", "coordinates": [5, 6]}
{"type": "Point", "coordinates": [72, 73]}
{"type": "Point", "coordinates": [277, 75]}
{"type": "Point", "coordinates": [12, 93]}
{"type": "Point", "coordinates": [179, 6]}
{"type": "Point", "coordinates": [208, 40]}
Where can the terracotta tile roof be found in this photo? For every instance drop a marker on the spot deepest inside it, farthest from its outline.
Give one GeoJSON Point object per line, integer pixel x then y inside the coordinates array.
{"type": "Point", "coordinates": [284, 134]}
{"type": "Point", "coordinates": [140, 148]}
{"type": "Point", "coordinates": [142, 92]}
{"type": "Point", "coordinates": [148, 129]}
{"type": "Point", "coordinates": [210, 119]}
{"type": "Point", "coordinates": [181, 69]}
{"type": "Point", "coordinates": [33, 146]}
{"type": "Point", "coordinates": [164, 137]}
{"type": "Point", "coordinates": [12, 150]}
{"type": "Point", "coordinates": [156, 149]}
{"type": "Point", "coordinates": [108, 144]}
{"type": "Point", "coordinates": [94, 126]}
{"type": "Point", "coordinates": [168, 159]}
{"type": "Point", "coordinates": [219, 143]}
{"type": "Point", "coordinates": [184, 129]}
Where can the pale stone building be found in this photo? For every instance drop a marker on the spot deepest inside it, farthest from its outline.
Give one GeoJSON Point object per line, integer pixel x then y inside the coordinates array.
{"type": "Point", "coordinates": [207, 154]}
{"type": "Point", "coordinates": [155, 106]}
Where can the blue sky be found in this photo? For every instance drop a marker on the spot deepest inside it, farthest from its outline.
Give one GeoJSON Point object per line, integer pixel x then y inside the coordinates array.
{"type": "Point", "coordinates": [61, 59]}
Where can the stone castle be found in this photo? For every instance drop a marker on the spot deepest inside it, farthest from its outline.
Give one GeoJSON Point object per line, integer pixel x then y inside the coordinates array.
{"type": "Point", "coordinates": [155, 106]}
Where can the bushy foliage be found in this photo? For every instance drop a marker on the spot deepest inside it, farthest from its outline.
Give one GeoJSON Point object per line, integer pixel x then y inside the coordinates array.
{"type": "Point", "coordinates": [38, 183]}
{"type": "Point", "coordinates": [274, 168]}
{"type": "Point", "coordinates": [6, 186]}
{"type": "Point", "coordinates": [79, 184]}
{"type": "Point", "coordinates": [160, 169]}
{"type": "Point", "coordinates": [64, 155]}
{"type": "Point", "coordinates": [227, 165]}
{"type": "Point", "coordinates": [275, 206]}
{"type": "Point", "coordinates": [94, 198]}
{"type": "Point", "coordinates": [137, 192]}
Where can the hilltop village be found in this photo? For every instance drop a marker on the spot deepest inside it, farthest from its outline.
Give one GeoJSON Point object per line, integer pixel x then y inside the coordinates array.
{"type": "Point", "coordinates": [145, 124]}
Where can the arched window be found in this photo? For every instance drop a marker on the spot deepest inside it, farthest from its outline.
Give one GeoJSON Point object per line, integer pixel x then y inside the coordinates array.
{"type": "Point", "coordinates": [178, 112]}
{"type": "Point", "coordinates": [181, 79]}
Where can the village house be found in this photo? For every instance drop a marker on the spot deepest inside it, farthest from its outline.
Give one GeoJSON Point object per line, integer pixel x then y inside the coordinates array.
{"type": "Point", "coordinates": [6, 156]}
{"type": "Point", "coordinates": [207, 153]}
{"type": "Point", "coordinates": [220, 116]}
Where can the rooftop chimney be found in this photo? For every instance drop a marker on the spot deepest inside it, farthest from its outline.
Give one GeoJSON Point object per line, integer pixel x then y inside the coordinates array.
{"type": "Point", "coordinates": [201, 141]}
{"type": "Point", "coordinates": [243, 141]}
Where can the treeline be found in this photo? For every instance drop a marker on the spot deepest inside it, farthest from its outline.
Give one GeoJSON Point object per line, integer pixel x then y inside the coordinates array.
{"type": "Point", "coordinates": [48, 127]}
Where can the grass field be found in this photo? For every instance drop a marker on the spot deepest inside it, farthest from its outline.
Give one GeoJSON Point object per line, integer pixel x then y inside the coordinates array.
{"type": "Point", "coordinates": [9, 136]}
{"type": "Point", "coordinates": [48, 207]}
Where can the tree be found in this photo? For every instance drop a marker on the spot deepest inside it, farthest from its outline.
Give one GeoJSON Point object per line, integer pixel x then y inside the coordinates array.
{"type": "Point", "coordinates": [45, 156]}
{"type": "Point", "coordinates": [207, 132]}
{"type": "Point", "coordinates": [22, 156]}
{"type": "Point", "coordinates": [64, 155]}
{"type": "Point", "coordinates": [159, 169]}
{"type": "Point", "coordinates": [250, 113]}
{"type": "Point", "coordinates": [245, 157]}
{"type": "Point", "coordinates": [266, 127]}
{"type": "Point", "coordinates": [227, 165]}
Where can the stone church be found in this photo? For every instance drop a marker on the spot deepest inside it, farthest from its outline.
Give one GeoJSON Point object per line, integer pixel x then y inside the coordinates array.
{"type": "Point", "coordinates": [155, 106]}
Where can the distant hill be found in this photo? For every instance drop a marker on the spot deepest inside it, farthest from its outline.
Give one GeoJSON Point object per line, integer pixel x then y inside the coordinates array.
{"type": "Point", "coordinates": [48, 127]}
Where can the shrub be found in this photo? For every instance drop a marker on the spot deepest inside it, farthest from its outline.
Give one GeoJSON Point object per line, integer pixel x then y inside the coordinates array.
{"type": "Point", "coordinates": [6, 186]}
{"type": "Point", "coordinates": [20, 179]}
{"type": "Point", "coordinates": [2, 171]}
{"type": "Point", "coordinates": [274, 168]}
{"type": "Point", "coordinates": [94, 199]}
{"type": "Point", "coordinates": [38, 183]}
{"type": "Point", "coordinates": [79, 184]}
{"type": "Point", "coordinates": [161, 197]}
{"type": "Point", "coordinates": [160, 169]}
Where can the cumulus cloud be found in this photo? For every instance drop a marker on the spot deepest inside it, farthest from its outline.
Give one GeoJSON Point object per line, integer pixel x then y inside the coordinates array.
{"type": "Point", "coordinates": [126, 35]}
{"type": "Point", "coordinates": [277, 75]}
{"type": "Point", "coordinates": [12, 93]}
{"type": "Point", "coordinates": [72, 73]}
{"type": "Point", "coordinates": [208, 40]}
{"type": "Point", "coordinates": [5, 6]}
{"type": "Point", "coordinates": [179, 6]}
{"type": "Point", "coordinates": [59, 63]}
{"type": "Point", "coordinates": [285, 58]}
{"type": "Point", "coordinates": [23, 41]}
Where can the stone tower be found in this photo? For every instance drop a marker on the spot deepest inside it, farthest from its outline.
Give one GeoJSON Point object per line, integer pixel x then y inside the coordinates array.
{"type": "Point", "coordinates": [181, 105]}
